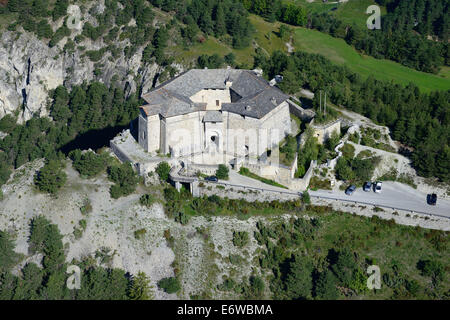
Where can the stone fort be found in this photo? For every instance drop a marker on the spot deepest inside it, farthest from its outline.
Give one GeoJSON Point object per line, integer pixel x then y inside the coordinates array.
{"type": "Point", "coordinates": [225, 111]}
{"type": "Point", "coordinates": [206, 117]}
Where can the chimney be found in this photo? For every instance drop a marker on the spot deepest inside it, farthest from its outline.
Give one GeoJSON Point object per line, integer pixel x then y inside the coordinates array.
{"type": "Point", "coordinates": [273, 100]}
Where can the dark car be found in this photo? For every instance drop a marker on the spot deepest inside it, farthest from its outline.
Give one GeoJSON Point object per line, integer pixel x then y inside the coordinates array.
{"type": "Point", "coordinates": [367, 186]}
{"type": "Point", "coordinates": [350, 190]}
{"type": "Point", "coordinates": [432, 199]}
{"type": "Point", "coordinates": [212, 179]}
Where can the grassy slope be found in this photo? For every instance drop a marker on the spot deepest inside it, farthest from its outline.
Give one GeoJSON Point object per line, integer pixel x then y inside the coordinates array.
{"type": "Point", "coordinates": [354, 11]}
{"type": "Point", "coordinates": [264, 37]}
{"type": "Point", "coordinates": [338, 51]}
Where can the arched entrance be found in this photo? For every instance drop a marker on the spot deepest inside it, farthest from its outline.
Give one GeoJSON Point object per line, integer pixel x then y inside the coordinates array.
{"type": "Point", "coordinates": [214, 139]}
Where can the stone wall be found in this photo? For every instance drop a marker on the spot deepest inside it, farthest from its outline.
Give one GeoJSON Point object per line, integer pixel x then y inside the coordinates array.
{"type": "Point", "coordinates": [203, 168]}
{"type": "Point", "coordinates": [211, 97]}
{"type": "Point", "coordinates": [251, 136]}
{"type": "Point", "coordinates": [323, 132]}
{"type": "Point", "coordinates": [184, 134]}
{"type": "Point", "coordinates": [247, 193]}
{"type": "Point", "coordinates": [303, 114]}
{"type": "Point", "coordinates": [303, 183]}
{"type": "Point", "coordinates": [121, 155]}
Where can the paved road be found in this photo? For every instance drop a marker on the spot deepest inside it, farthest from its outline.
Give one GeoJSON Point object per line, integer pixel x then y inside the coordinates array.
{"type": "Point", "coordinates": [393, 194]}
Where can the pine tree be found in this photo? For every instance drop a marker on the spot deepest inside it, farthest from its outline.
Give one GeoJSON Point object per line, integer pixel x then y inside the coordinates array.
{"type": "Point", "coordinates": [299, 278]}
{"type": "Point", "coordinates": [326, 286]}
{"type": "Point", "coordinates": [220, 27]}
{"type": "Point", "coordinates": [140, 288]}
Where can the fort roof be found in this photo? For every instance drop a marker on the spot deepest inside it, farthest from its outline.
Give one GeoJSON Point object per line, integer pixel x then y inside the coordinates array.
{"type": "Point", "coordinates": [252, 95]}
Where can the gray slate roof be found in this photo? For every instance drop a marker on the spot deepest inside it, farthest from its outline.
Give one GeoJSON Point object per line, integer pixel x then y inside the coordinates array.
{"type": "Point", "coordinates": [213, 116]}
{"type": "Point", "coordinates": [172, 97]}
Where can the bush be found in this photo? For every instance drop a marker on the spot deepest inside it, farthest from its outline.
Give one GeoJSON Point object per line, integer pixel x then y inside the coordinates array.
{"type": "Point", "coordinates": [169, 285]}
{"type": "Point", "coordinates": [240, 238]}
{"type": "Point", "coordinates": [326, 286]}
{"type": "Point", "coordinates": [433, 269]}
{"type": "Point", "coordinates": [222, 172]}
{"type": "Point", "coordinates": [44, 30]}
{"type": "Point", "coordinates": [182, 218]}
{"type": "Point", "coordinates": [7, 123]}
{"type": "Point", "coordinates": [138, 234]}
{"type": "Point", "coordinates": [163, 170]}
{"type": "Point", "coordinates": [51, 177]}
{"type": "Point", "coordinates": [288, 149]}
{"type": "Point", "coordinates": [306, 198]}
{"type": "Point", "coordinates": [348, 151]}
{"type": "Point", "coordinates": [125, 178]}
{"type": "Point", "coordinates": [299, 278]}
{"type": "Point", "coordinates": [147, 200]}
{"type": "Point", "coordinates": [88, 164]}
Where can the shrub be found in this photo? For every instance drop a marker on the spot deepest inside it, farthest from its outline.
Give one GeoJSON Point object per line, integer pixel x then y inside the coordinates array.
{"type": "Point", "coordinates": [7, 123]}
{"type": "Point", "coordinates": [43, 29]}
{"type": "Point", "coordinates": [138, 234]}
{"type": "Point", "coordinates": [433, 269]}
{"type": "Point", "coordinates": [289, 148]}
{"type": "Point", "coordinates": [147, 200]}
{"type": "Point", "coordinates": [163, 170]}
{"type": "Point", "coordinates": [169, 285]}
{"type": "Point", "coordinates": [299, 278]}
{"type": "Point", "coordinates": [51, 177]}
{"type": "Point", "coordinates": [222, 172]}
{"type": "Point", "coordinates": [348, 151]}
{"type": "Point", "coordinates": [86, 207]}
{"type": "Point", "coordinates": [227, 285]}
{"type": "Point", "coordinates": [240, 238]}
{"type": "Point", "coordinates": [235, 259]}
{"type": "Point", "coordinates": [326, 286]}
{"type": "Point", "coordinates": [124, 177]}
{"type": "Point", "coordinates": [89, 164]}
{"type": "Point", "coordinates": [306, 198]}
{"type": "Point", "coordinates": [182, 218]}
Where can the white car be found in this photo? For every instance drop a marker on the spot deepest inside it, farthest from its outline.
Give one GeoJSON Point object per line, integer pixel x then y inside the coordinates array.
{"type": "Point", "coordinates": [377, 186]}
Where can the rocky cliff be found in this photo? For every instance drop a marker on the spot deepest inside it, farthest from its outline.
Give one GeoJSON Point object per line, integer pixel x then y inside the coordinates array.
{"type": "Point", "coordinates": [29, 69]}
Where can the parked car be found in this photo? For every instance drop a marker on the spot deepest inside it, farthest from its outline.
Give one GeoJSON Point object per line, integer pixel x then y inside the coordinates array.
{"type": "Point", "coordinates": [350, 190]}
{"type": "Point", "coordinates": [212, 179]}
{"type": "Point", "coordinates": [367, 186]}
{"type": "Point", "coordinates": [377, 186]}
{"type": "Point", "coordinates": [432, 199]}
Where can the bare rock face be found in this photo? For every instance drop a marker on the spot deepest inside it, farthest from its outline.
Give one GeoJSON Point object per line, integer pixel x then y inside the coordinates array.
{"type": "Point", "coordinates": [29, 69]}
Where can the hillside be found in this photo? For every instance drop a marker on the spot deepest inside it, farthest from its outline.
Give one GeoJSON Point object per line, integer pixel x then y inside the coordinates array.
{"type": "Point", "coordinates": [203, 253]}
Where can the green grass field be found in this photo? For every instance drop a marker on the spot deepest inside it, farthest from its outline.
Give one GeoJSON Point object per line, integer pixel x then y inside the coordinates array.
{"type": "Point", "coordinates": [338, 51]}
{"type": "Point", "coordinates": [354, 11]}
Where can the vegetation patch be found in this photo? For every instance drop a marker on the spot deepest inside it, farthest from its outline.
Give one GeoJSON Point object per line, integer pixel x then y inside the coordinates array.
{"type": "Point", "coordinates": [246, 172]}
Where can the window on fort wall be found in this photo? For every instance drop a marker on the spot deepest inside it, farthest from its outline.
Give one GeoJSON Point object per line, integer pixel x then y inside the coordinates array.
{"type": "Point", "coordinates": [217, 103]}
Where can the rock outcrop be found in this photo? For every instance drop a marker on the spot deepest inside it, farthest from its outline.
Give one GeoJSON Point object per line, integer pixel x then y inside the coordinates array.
{"type": "Point", "coordinates": [29, 69]}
